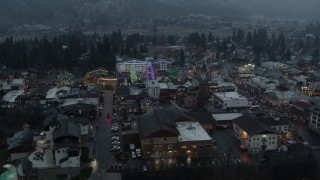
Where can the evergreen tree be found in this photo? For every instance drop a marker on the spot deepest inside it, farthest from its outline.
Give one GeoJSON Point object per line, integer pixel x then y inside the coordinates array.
{"type": "Point", "coordinates": [210, 37]}
{"type": "Point", "coordinates": [182, 57]}
{"type": "Point", "coordinates": [249, 39]}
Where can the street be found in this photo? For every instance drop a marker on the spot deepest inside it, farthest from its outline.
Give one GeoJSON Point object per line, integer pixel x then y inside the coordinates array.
{"type": "Point", "coordinates": [102, 144]}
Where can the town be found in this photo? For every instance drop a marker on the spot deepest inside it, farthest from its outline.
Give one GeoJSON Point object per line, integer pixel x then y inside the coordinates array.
{"type": "Point", "coordinates": [245, 106]}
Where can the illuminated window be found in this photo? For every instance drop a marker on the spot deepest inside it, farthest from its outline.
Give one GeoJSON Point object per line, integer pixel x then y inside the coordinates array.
{"type": "Point", "coordinates": [184, 147]}
{"type": "Point", "coordinates": [194, 146]}
{"type": "Point", "coordinates": [157, 147]}
{"type": "Point", "coordinates": [170, 146]}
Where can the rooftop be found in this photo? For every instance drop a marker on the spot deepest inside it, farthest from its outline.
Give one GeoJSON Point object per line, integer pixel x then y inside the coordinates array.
{"type": "Point", "coordinates": [227, 96]}
{"type": "Point", "coordinates": [226, 116]}
{"type": "Point", "coordinates": [41, 158]}
{"type": "Point", "coordinates": [192, 131]}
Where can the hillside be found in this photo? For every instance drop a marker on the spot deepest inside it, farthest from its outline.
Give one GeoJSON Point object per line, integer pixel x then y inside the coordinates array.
{"type": "Point", "coordinates": [105, 12]}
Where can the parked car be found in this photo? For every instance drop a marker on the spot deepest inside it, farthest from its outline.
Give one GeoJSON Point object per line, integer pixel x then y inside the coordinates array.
{"type": "Point", "coordinates": [133, 155]}
{"type": "Point", "coordinates": [114, 148]}
{"type": "Point", "coordinates": [132, 147]}
{"type": "Point", "coordinates": [144, 168]}
{"type": "Point", "coordinates": [115, 138]}
{"type": "Point", "coordinates": [115, 142]}
{"type": "Point", "coordinates": [138, 151]}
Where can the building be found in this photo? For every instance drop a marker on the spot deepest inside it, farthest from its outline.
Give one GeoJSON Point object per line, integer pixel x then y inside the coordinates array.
{"type": "Point", "coordinates": [125, 67]}
{"type": "Point", "coordinates": [194, 141]}
{"type": "Point", "coordinates": [277, 98]}
{"type": "Point", "coordinates": [153, 89]}
{"type": "Point", "coordinates": [254, 135]}
{"type": "Point", "coordinates": [101, 77]}
{"type": "Point", "coordinates": [158, 134]}
{"type": "Point", "coordinates": [314, 123]}
{"type": "Point", "coordinates": [172, 133]}
{"type": "Point", "coordinates": [231, 100]}
{"type": "Point", "coordinates": [225, 120]}
{"type": "Point", "coordinates": [21, 144]}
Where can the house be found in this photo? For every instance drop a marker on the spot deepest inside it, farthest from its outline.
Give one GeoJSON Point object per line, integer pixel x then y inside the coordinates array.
{"type": "Point", "coordinates": [254, 135]}
{"type": "Point", "coordinates": [37, 96]}
{"type": "Point", "coordinates": [66, 147]}
{"type": "Point", "coordinates": [299, 110]}
{"type": "Point", "coordinates": [279, 124]}
{"type": "Point", "coordinates": [17, 84]}
{"type": "Point", "coordinates": [21, 144]}
{"type": "Point", "coordinates": [164, 91]}
{"type": "Point", "coordinates": [231, 100]}
{"type": "Point", "coordinates": [153, 89]}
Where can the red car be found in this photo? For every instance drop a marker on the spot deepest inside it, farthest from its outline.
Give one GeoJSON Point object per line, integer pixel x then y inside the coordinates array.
{"type": "Point", "coordinates": [108, 115]}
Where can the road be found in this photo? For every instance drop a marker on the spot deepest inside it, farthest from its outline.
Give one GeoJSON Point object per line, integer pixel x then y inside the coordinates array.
{"type": "Point", "coordinates": [102, 144]}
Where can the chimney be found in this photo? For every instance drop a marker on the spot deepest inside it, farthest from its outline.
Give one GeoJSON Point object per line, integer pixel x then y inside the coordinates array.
{"type": "Point", "coordinates": [26, 127]}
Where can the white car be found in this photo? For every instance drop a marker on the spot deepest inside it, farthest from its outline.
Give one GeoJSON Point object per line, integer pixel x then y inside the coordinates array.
{"type": "Point", "coordinates": [133, 155]}
{"type": "Point", "coordinates": [115, 142]}
{"type": "Point", "coordinates": [138, 151]}
{"type": "Point", "coordinates": [115, 138]}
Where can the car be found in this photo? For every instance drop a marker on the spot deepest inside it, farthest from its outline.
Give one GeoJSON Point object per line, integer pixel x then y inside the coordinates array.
{"type": "Point", "coordinates": [115, 142]}
{"type": "Point", "coordinates": [138, 151]}
{"type": "Point", "coordinates": [114, 148]}
{"type": "Point", "coordinates": [144, 168]}
{"type": "Point", "coordinates": [108, 115]}
{"type": "Point", "coordinates": [115, 124]}
{"type": "Point", "coordinates": [115, 138]}
{"type": "Point", "coordinates": [132, 147]}
{"type": "Point", "coordinates": [93, 156]}
{"type": "Point", "coordinates": [133, 155]}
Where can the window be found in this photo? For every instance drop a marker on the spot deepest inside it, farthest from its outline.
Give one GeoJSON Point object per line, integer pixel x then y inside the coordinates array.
{"type": "Point", "coordinates": [170, 146]}
{"type": "Point", "coordinates": [273, 137]}
{"type": "Point", "coordinates": [258, 139]}
{"type": "Point", "coordinates": [58, 151]}
{"type": "Point", "coordinates": [208, 145]}
{"type": "Point", "coordinates": [194, 146]}
{"type": "Point", "coordinates": [157, 147]}
{"type": "Point", "coordinates": [184, 147]}
{"type": "Point", "coordinates": [165, 139]}
{"type": "Point", "coordinates": [254, 139]}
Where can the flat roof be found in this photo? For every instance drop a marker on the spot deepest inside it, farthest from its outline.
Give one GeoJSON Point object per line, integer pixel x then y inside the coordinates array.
{"type": "Point", "coordinates": [192, 131]}
{"type": "Point", "coordinates": [226, 96]}
{"type": "Point", "coordinates": [226, 116]}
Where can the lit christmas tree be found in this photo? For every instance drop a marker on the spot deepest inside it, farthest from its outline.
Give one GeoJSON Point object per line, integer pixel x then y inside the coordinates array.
{"type": "Point", "coordinates": [174, 72]}
{"type": "Point", "coordinates": [150, 72]}
{"type": "Point", "coordinates": [133, 75]}
{"type": "Point", "coordinates": [64, 79]}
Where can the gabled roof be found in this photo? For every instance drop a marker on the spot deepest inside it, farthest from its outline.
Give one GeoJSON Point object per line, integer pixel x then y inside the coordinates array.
{"type": "Point", "coordinates": [252, 127]}
{"type": "Point", "coordinates": [154, 121]}
{"type": "Point", "coordinates": [22, 138]}
{"type": "Point", "coordinates": [67, 128]}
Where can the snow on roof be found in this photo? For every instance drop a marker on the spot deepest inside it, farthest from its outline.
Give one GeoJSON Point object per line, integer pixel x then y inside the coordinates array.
{"type": "Point", "coordinates": [11, 96]}
{"type": "Point", "coordinates": [192, 131]}
{"type": "Point", "coordinates": [163, 86]}
{"type": "Point", "coordinates": [226, 116]}
{"type": "Point", "coordinates": [226, 96]}
{"type": "Point", "coordinates": [171, 85]}
{"type": "Point", "coordinates": [17, 81]}
{"type": "Point", "coordinates": [53, 91]}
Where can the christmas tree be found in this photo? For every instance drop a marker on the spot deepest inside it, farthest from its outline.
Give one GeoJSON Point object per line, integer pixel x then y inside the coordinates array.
{"type": "Point", "coordinates": [133, 75]}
